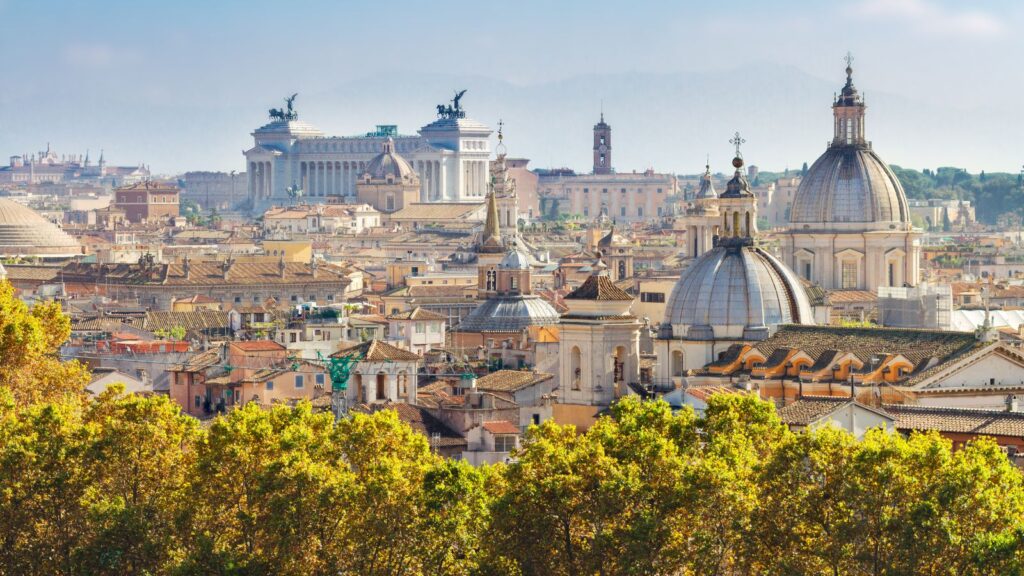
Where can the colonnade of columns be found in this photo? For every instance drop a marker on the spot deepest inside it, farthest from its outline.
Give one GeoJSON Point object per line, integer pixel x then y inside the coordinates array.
{"type": "Point", "coordinates": [261, 182]}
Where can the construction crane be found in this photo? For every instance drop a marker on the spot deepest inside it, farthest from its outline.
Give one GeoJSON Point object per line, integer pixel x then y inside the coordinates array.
{"type": "Point", "coordinates": [339, 368]}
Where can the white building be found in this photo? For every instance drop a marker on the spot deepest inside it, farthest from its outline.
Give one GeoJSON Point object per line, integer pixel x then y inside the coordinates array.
{"type": "Point", "coordinates": [450, 155]}
{"type": "Point", "coordinates": [418, 330]}
{"type": "Point", "coordinates": [599, 343]}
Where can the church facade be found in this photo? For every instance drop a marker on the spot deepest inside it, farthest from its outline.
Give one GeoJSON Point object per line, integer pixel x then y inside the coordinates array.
{"type": "Point", "coordinates": [293, 161]}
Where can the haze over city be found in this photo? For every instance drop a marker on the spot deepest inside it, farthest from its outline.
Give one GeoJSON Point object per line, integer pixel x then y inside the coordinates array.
{"type": "Point", "coordinates": [181, 85]}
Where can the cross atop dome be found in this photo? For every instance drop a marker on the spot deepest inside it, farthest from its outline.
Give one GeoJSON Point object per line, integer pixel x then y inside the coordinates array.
{"type": "Point", "coordinates": [737, 141]}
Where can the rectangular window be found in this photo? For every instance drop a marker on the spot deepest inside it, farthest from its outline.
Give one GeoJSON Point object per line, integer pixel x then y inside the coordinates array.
{"type": "Point", "coordinates": [300, 381]}
{"type": "Point", "coordinates": [319, 379]}
{"type": "Point", "coordinates": [199, 401]}
{"type": "Point", "coordinates": [270, 385]}
{"type": "Point", "coordinates": [849, 270]}
{"type": "Point", "coordinates": [434, 328]}
{"type": "Point", "coordinates": [420, 328]}
{"type": "Point", "coordinates": [652, 296]}
{"type": "Point", "coordinates": [586, 190]}
{"type": "Point", "coordinates": [504, 442]}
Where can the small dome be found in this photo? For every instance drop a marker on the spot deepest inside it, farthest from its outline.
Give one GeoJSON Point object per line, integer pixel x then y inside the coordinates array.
{"type": "Point", "coordinates": [23, 232]}
{"type": "Point", "coordinates": [515, 259]}
{"type": "Point", "coordinates": [509, 314]}
{"type": "Point", "coordinates": [735, 293]}
{"type": "Point", "coordinates": [850, 184]}
{"type": "Point", "coordinates": [389, 166]}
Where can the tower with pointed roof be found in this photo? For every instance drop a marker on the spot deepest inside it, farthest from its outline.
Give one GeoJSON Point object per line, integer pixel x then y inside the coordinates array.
{"type": "Point", "coordinates": [504, 189]}
{"type": "Point", "coordinates": [599, 345]}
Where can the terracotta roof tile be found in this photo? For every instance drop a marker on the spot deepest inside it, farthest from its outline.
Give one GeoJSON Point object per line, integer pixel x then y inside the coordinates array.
{"type": "Point", "coordinates": [501, 427]}
{"type": "Point", "coordinates": [511, 380]}
{"type": "Point", "coordinates": [598, 288]}
{"type": "Point", "coordinates": [378, 351]}
{"type": "Point", "coordinates": [258, 346]}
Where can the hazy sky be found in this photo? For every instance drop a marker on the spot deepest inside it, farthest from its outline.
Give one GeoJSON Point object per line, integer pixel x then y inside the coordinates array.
{"type": "Point", "coordinates": [95, 59]}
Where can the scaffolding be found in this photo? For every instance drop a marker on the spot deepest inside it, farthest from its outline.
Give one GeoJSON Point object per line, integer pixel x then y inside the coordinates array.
{"type": "Point", "coordinates": [924, 306]}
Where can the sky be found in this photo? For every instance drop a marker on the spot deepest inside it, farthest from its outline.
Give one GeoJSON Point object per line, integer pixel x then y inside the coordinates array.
{"type": "Point", "coordinates": [179, 85]}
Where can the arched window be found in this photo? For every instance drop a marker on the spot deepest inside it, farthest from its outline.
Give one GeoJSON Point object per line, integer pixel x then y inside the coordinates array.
{"type": "Point", "coordinates": [749, 232]}
{"type": "Point", "coordinates": [492, 280]}
{"type": "Point", "coordinates": [575, 364]}
{"type": "Point", "coordinates": [622, 270]}
{"type": "Point", "coordinates": [619, 364]}
{"type": "Point", "coordinates": [735, 224]}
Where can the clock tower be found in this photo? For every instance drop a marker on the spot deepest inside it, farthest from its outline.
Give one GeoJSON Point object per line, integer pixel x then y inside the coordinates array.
{"type": "Point", "coordinates": [602, 147]}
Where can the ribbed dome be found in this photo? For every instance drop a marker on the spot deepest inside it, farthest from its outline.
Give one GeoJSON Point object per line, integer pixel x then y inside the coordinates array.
{"type": "Point", "coordinates": [388, 165]}
{"type": "Point", "coordinates": [850, 183]}
{"type": "Point", "coordinates": [23, 232]}
{"type": "Point", "coordinates": [735, 292]}
{"type": "Point", "coordinates": [509, 314]}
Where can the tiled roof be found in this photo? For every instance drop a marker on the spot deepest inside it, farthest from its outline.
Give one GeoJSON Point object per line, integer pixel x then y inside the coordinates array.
{"type": "Point", "coordinates": [27, 272]}
{"type": "Point", "coordinates": [428, 212]}
{"type": "Point", "coordinates": [378, 351]}
{"type": "Point", "coordinates": [511, 380]}
{"type": "Point", "coordinates": [915, 345]}
{"type": "Point", "coordinates": [849, 296]}
{"type": "Point", "coordinates": [204, 274]}
{"type": "Point", "coordinates": [704, 392]}
{"type": "Point", "coordinates": [417, 313]}
{"type": "Point", "coordinates": [501, 427]}
{"type": "Point", "coordinates": [957, 420]}
{"type": "Point", "coordinates": [195, 320]}
{"type": "Point", "coordinates": [811, 408]}
{"type": "Point", "coordinates": [258, 346]}
{"type": "Point", "coordinates": [910, 417]}
{"type": "Point", "coordinates": [201, 361]}
{"type": "Point", "coordinates": [421, 421]}
{"type": "Point", "coordinates": [598, 288]}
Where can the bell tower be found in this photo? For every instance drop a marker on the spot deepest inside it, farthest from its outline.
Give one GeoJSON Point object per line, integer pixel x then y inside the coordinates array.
{"type": "Point", "coordinates": [602, 147]}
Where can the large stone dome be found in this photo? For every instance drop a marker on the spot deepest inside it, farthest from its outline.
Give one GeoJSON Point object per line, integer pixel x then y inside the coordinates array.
{"type": "Point", "coordinates": [735, 292]}
{"type": "Point", "coordinates": [389, 166]}
{"type": "Point", "coordinates": [850, 184]}
{"type": "Point", "coordinates": [849, 188]}
{"type": "Point", "coordinates": [23, 232]}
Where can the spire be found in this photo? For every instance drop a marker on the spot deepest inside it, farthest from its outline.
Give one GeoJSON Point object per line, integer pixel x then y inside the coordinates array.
{"type": "Point", "coordinates": [500, 148]}
{"type": "Point", "coordinates": [491, 238]}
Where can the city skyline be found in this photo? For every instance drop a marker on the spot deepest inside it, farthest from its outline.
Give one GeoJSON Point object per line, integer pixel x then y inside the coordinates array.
{"type": "Point", "coordinates": [675, 81]}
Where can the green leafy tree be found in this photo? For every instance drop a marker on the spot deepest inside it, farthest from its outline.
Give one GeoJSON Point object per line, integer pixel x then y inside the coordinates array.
{"type": "Point", "coordinates": [30, 340]}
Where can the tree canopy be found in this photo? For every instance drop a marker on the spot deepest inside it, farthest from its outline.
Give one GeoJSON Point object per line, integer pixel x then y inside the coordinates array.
{"type": "Point", "coordinates": [125, 484]}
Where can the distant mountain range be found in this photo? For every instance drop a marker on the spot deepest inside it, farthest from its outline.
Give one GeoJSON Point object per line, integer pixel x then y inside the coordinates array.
{"type": "Point", "coordinates": [668, 122]}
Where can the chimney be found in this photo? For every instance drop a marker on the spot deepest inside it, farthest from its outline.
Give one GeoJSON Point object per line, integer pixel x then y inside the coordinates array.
{"type": "Point", "coordinates": [1012, 403]}
{"type": "Point", "coordinates": [281, 266]}
{"type": "Point", "coordinates": [314, 266]}
{"type": "Point", "coordinates": [187, 267]}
